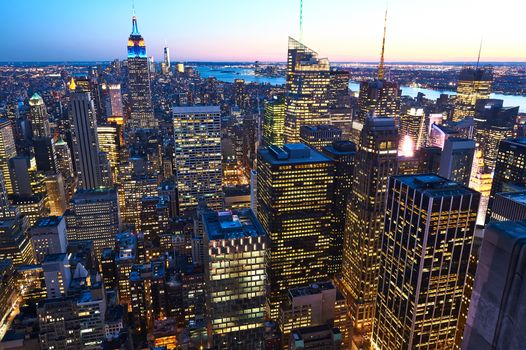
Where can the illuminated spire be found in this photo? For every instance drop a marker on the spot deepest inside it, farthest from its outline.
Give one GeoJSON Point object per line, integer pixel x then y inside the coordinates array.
{"type": "Point", "coordinates": [135, 31]}
{"type": "Point", "coordinates": [72, 86]}
{"type": "Point", "coordinates": [381, 69]}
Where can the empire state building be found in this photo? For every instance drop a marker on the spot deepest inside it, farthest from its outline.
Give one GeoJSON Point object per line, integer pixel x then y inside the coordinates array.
{"type": "Point", "coordinates": [139, 82]}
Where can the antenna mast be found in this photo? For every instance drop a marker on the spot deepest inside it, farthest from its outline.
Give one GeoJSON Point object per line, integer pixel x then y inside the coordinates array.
{"type": "Point", "coordinates": [381, 67]}
{"type": "Point", "coordinates": [301, 21]}
{"type": "Point", "coordinates": [480, 50]}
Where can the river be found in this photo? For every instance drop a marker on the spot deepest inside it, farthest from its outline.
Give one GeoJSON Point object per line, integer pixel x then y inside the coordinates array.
{"type": "Point", "coordinates": [229, 74]}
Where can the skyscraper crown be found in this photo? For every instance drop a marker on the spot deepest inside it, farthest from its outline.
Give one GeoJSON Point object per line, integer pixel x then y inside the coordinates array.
{"type": "Point", "coordinates": [136, 45]}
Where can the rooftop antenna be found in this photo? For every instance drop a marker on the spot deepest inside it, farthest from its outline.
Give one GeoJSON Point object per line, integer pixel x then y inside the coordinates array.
{"type": "Point", "coordinates": [480, 50]}
{"type": "Point", "coordinates": [133, 7]}
{"type": "Point", "coordinates": [381, 67]}
{"type": "Point", "coordinates": [301, 21]}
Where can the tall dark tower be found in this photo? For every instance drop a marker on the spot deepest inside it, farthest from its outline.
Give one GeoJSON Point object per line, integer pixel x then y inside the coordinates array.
{"type": "Point", "coordinates": [375, 161]}
{"type": "Point", "coordinates": [85, 141]}
{"type": "Point", "coordinates": [139, 82]}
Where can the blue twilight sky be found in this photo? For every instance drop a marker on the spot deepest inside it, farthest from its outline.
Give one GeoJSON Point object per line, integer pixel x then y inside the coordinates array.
{"type": "Point", "coordinates": [222, 30]}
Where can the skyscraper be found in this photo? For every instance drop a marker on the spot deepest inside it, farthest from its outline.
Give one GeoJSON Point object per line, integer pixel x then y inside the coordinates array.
{"type": "Point", "coordinates": [197, 133]}
{"type": "Point", "coordinates": [141, 108]}
{"type": "Point", "coordinates": [113, 99]}
{"type": "Point", "coordinates": [236, 247]}
{"type": "Point", "coordinates": [339, 98]}
{"type": "Point", "coordinates": [496, 318]}
{"type": "Point", "coordinates": [424, 264]}
{"type": "Point", "coordinates": [165, 65]}
{"type": "Point", "coordinates": [297, 219]}
{"type": "Point", "coordinates": [375, 161]}
{"type": "Point", "coordinates": [85, 141]}
{"type": "Point", "coordinates": [493, 123]}
{"type": "Point", "coordinates": [474, 83]}
{"type": "Point", "coordinates": [306, 99]}
{"type": "Point", "coordinates": [377, 97]}
{"type": "Point", "coordinates": [457, 159]}
{"type": "Point", "coordinates": [94, 215]}
{"type": "Point", "coordinates": [413, 124]}
{"type": "Point", "coordinates": [510, 168]}
{"type": "Point", "coordinates": [343, 154]}
{"type": "Point", "coordinates": [39, 117]}
{"type": "Point", "coordinates": [319, 136]}
{"type": "Point", "coordinates": [274, 121]}
{"type": "Point", "coordinates": [7, 151]}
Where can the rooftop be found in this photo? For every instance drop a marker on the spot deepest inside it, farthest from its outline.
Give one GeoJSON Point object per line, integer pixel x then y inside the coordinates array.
{"type": "Point", "coordinates": [518, 197]}
{"type": "Point", "coordinates": [320, 127]}
{"type": "Point", "coordinates": [196, 109]}
{"type": "Point", "coordinates": [232, 224]}
{"type": "Point", "coordinates": [292, 153]}
{"type": "Point", "coordinates": [49, 221]}
{"type": "Point", "coordinates": [101, 194]}
{"type": "Point", "coordinates": [54, 257]}
{"type": "Point", "coordinates": [341, 148]}
{"type": "Point", "coordinates": [434, 185]}
{"type": "Point", "coordinates": [314, 288]}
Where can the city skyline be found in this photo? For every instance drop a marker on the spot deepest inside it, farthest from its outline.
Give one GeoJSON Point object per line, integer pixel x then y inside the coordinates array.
{"type": "Point", "coordinates": [257, 31]}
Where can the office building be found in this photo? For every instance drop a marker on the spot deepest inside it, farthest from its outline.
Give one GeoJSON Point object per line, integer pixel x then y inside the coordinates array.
{"type": "Point", "coordinates": [113, 100]}
{"type": "Point", "coordinates": [236, 248]}
{"type": "Point", "coordinates": [339, 98]}
{"type": "Point", "coordinates": [94, 215]}
{"type": "Point", "coordinates": [314, 305]}
{"type": "Point", "coordinates": [111, 142]}
{"type": "Point", "coordinates": [297, 219]}
{"type": "Point", "coordinates": [509, 168]}
{"type": "Point", "coordinates": [306, 99]}
{"type": "Point", "coordinates": [274, 121]}
{"type": "Point", "coordinates": [343, 155]}
{"type": "Point", "coordinates": [140, 99]}
{"type": "Point", "coordinates": [376, 160]}
{"type": "Point", "coordinates": [57, 274]}
{"type": "Point", "coordinates": [493, 123]}
{"type": "Point", "coordinates": [319, 136]}
{"type": "Point", "coordinates": [473, 84]}
{"type": "Point", "coordinates": [423, 292]}
{"type": "Point", "coordinates": [48, 236]}
{"type": "Point", "coordinates": [59, 324]}
{"type": "Point", "coordinates": [166, 66]}
{"type": "Point", "coordinates": [197, 165]}
{"type": "Point", "coordinates": [14, 241]}
{"type": "Point", "coordinates": [85, 141]}
{"type": "Point", "coordinates": [126, 255]}
{"type": "Point", "coordinates": [413, 124]}
{"type": "Point", "coordinates": [497, 317]}
{"type": "Point", "coordinates": [7, 151]}
{"type": "Point", "coordinates": [377, 97]}
{"type": "Point", "coordinates": [154, 217]}
{"type": "Point", "coordinates": [323, 337]}
{"type": "Point", "coordinates": [38, 117]}
{"type": "Point", "coordinates": [456, 160]}
{"type": "Point", "coordinates": [133, 189]}
{"type": "Point", "coordinates": [509, 206]}
{"type": "Point", "coordinates": [44, 148]}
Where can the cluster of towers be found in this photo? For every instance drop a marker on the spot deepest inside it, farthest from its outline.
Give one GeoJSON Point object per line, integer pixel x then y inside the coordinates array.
{"type": "Point", "coordinates": [359, 231]}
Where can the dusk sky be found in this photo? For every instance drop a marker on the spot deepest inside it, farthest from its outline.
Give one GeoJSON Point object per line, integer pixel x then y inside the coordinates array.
{"type": "Point", "coordinates": [248, 30]}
